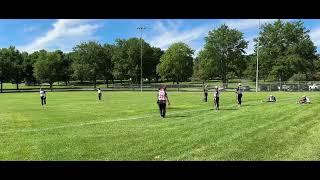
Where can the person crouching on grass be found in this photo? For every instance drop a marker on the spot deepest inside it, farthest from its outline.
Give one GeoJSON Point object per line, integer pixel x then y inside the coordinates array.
{"type": "Point", "coordinates": [216, 96]}
{"type": "Point", "coordinates": [43, 97]}
{"type": "Point", "coordinates": [304, 100]}
{"type": "Point", "coordinates": [162, 101]}
{"type": "Point", "coordinates": [99, 94]}
{"type": "Point", "coordinates": [271, 98]}
{"type": "Point", "coordinates": [239, 94]}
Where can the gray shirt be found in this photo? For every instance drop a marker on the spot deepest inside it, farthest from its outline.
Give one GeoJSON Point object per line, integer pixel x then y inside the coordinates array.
{"type": "Point", "coordinates": [239, 90]}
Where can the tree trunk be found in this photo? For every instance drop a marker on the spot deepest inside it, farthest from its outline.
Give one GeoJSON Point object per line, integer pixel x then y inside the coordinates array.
{"type": "Point", "coordinates": [51, 86]}
{"type": "Point", "coordinates": [107, 82]}
{"type": "Point", "coordinates": [17, 86]}
{"type": "Point", "coordinates": [121, 81]}
{"type": "Point", "coordinates": [94, 84]}
{"type": "Point", "coordinates": [224, 81]}
{"type": "Point", "coordinates": [66, 83]}
{"type": "Point", "coordinates": [178, 85]}
{"type": "Point", "coordinates": [1, 86]}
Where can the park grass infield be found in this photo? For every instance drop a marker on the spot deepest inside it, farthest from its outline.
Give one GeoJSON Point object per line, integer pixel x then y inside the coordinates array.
{"type": "Point", "coordinates": [127, 126]}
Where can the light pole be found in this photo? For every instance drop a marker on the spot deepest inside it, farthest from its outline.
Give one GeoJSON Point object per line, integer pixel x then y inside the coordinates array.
{"type": "Point", "coordinates": [257, 74]}
{"type": "Point", "coordinates": [141, 29]}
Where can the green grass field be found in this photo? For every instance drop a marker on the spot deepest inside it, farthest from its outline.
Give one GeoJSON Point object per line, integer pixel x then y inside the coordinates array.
{"type": "Point", "coordinates": [127, 126]}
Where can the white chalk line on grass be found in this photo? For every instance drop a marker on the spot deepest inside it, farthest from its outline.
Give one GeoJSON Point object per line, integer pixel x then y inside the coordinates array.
{"type": "Point", "coordinates": [92, 123]}
{"type": "Point", "coordinates": [100, 122]}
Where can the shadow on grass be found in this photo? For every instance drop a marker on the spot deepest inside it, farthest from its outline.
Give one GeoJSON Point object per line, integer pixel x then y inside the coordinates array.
{"type": "Point", "coordinates": [226, 109]}
{"type": "Point", "coordinates": [175, 116]}
{"type": "Point", "coordinates": [245, 105]}
{"type": "Point", "coordinates": [174, 107]}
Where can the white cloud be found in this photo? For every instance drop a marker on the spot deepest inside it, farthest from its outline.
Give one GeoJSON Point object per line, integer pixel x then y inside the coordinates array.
{"type": "Point", "coordinates": [315, 36]}
{"type": "Point", "coordinates": [245, 24]}
{"type": "Point", "coordinates": [250, 48]}
{"type": "Point", "coordinates": [64, 35]}
{"type": "Point", "coordinates": [168, 33]}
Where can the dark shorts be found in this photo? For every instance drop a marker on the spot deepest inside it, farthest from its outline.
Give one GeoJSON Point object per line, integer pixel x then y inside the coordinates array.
{"type": "Point", "coordinates": [162, 107]}
{"type": "Point", "coordinates": [216, 102]}
{"type": "Point", "coordinates": [239, 98]}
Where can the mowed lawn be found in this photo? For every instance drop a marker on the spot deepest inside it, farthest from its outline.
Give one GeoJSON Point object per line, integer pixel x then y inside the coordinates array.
{"type": "Point", "coordinates": [127, 126]}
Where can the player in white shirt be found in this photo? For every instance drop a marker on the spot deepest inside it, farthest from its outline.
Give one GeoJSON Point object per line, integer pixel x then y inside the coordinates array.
{"type": "Point", "coordinates": [239, 94]}
{"type": "Point", "coordinates": [304, 100]}
{"type": "Point", "coordinates": [271, 98]}
{"type": "Point", "coordinates": [99, 93]}
{"type": "Point", "coordinates": [43, 97]}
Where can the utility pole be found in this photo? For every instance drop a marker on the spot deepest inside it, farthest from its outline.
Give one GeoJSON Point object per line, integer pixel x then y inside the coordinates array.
{"type": "Point", "coordinates": [141, 29]}
{"type": "Point", "coordinates": [257, 74]}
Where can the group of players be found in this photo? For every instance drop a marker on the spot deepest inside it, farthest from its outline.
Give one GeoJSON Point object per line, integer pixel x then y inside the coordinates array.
{"type": "Point", "coordinates": [163, 99]}
{"type": "Point", "coordinates": [216, 95]}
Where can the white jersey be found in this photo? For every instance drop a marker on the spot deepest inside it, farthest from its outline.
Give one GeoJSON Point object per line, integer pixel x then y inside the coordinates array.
{"type": "Point", "coordinates": [272, 98]}
{"type": "Point", "coordinates": [99, 91]}
{"type": "Point", "coordinates": [216, 93]}
{"type": "Point", "coordinates": [307, 100]}
{"type": "Point", "coordinates": [42, 93]}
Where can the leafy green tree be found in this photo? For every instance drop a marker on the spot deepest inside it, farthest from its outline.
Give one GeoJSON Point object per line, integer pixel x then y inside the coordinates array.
{"type": "Point", "coordinates": [204, 67]}
{"type": "Point", "coordinates": [48, 67]}
{"type": "Point", "coordinates": [176, 63]}
{"type": "Point", "coordinates": [28, 70]}
{"type": "Point", "coordinates": [89, 57]}
{"type": "Point", "coordinates": [65, 71]}
{"type": "Point", "coordinates": [126, 59]}
{"type": "Point", "coordinates": [223, 54]}
{"type": "Point", "coordinates": [106, 64]}
{"type": "Point", "coordinates": [6, 66]}
{"type": "Point", "coordinates": [17, 74]}
{"type": "Point", "coordinates": [285, 49]}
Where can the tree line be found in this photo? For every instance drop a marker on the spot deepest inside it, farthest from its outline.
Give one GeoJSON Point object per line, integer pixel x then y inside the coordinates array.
{"type": "Point", "coordinates": [285, 51]}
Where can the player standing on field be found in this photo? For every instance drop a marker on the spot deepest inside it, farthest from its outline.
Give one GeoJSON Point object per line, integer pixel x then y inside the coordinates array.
{"type": "Point", "coordinates": [239, 94]}
{"type": "Point", "coordinates": [205, 91]}
{"type": "Point", "coordinates": [162, 101]}
{"type": "Point", "coordinates": [216, 96]}
{"type": "Point", "coordinates": [43, 97]}
{"type": "Point", "coordinates": [99, 94]}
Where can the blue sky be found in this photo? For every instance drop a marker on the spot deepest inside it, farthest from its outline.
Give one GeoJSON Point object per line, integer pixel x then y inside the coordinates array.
{"type": "Point", "coordinates": [32, 35]}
